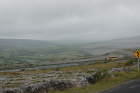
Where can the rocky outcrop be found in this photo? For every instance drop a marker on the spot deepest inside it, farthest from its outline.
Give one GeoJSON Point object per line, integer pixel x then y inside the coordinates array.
{"type": "Point", "coordinates": [42, 87]}
{"type": "Point", "coordinates": [60, 85]}
{"type": "Point", "coordinates": [93, 78]}
{"type": "Point", "coordinates": [47, 86]}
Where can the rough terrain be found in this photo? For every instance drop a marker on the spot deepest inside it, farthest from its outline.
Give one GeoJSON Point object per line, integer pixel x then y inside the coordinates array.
{"type": "Point", "coordinates": [57, 80]}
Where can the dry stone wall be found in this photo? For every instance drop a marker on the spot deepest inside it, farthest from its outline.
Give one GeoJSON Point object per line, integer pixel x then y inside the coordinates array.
{"type": "Point", "coordinates": [61, 85]}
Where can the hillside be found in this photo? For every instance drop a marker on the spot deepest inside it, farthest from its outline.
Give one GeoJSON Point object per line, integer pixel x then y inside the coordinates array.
{"type": "Point", "coordinates": [113, 45]}
{"type": "Point", "coordinates": [20, 51]}
{"type": "Point", "coordinates": [26, 42]}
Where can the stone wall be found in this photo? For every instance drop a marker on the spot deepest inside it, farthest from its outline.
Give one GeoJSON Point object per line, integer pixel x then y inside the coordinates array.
{"type": "Point", "coordinates": [42, 87]}
{"type": "Point", "coordinates": [45, 87]}
{"type": "Point", "coordinates": [61, 85]}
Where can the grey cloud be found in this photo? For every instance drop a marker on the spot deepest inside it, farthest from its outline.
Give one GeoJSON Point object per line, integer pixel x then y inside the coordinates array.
{"type": "Point", "coordinates": [69, 19]}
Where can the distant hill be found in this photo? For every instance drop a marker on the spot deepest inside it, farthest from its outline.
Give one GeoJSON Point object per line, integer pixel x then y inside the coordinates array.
{"type": "Point", "coordinates": [72, 42]}
{"type": "Point", "coordinates": [27, 43]}
{"type": "Point", "coordinates": [112, 45]}
{"type": "Point", "coordinates": [21, 50]}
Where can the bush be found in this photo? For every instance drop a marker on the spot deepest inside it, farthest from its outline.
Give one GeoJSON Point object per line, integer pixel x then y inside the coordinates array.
{"type": "Point", "coordinates": [97, 76]}
{"type": "Point", "coordinates": [106, 61]}
{"type": "Point", "coordinates": [43, 69]}
{"type": "Point", "coordinates": [22, 69]}
{"type": "Point", "coordinates": [57, 69]}
{"type": "Point", "coordinates": [130, 62]}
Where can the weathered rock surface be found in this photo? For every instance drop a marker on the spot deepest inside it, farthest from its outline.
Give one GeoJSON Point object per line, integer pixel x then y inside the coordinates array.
{"type": "Point", "coordinates": [95, 76]}
{"type": "Point", "coordinates": [42, 87]}
{"type": "Point", "coordinates": [53, 80]}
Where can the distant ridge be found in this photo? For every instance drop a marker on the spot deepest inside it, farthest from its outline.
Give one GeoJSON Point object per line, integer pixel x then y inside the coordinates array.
{"type": "Point", "coordinates": [112, 45]}
{"type": "Point", "coordinates": [27, 42]}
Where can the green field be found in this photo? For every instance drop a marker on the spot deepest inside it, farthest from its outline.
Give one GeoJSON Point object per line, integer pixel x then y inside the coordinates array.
{"type": "Point", "coordinates": [20, 51]}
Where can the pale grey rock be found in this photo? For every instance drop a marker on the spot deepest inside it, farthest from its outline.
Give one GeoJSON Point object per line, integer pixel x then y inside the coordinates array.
{"type": "Point", "coordinates": [42, 87]}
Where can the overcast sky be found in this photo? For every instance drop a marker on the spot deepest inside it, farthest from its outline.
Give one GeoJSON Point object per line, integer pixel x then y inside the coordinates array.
{"type": "Point", "coordinates": [69, 19]}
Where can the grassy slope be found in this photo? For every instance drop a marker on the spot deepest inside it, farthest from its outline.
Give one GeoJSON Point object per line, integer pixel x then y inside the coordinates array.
{"type": "Point", "coordinates": [106, 83]}
{"type": "Point", "coordinates": [19, 51]}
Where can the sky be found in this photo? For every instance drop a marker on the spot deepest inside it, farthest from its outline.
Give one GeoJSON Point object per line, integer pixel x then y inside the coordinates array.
{"type": "Point", "coordinates": [95, 20]}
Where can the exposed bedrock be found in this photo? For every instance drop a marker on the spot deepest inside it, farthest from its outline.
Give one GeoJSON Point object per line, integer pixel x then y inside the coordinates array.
{"type": "Point", "coordinates": [45, 87]}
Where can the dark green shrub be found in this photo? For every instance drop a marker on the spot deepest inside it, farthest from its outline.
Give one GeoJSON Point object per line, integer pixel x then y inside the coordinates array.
{"type": "Point", "coordinates": [106, 61]}
{"type": "Point", "coordinates": [97, 76]}
{"type": "Point", "coordinates": [57, 69]}
{"type": "Point", "coordinates": [130, 62]}
{"type": "Point", "coordinates": [22, 69]}
{"type": "Point", "coordinates": [44, 69]}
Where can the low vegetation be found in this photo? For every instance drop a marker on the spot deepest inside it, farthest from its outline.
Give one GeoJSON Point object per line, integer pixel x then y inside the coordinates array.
{"type": "Point", "coordinates": [99, 66]}
{"type": "Point", "coordinates": [20, 51]}
{"type": "Point", "coordinates": [130, 62]}
{"type": "Point", "coordinates": [106, 83]}
{"type": "Point", "coordinates": [89, 69]}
